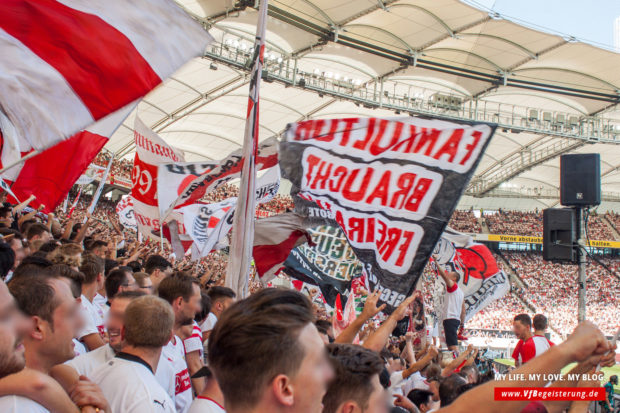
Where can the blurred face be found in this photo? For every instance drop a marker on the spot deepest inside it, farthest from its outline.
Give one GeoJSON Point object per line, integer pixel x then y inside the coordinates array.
{"type": "Point", "coordinates": [7, 220]}
{"type": "Point", "coordinates": [147, 286]}
{"type": "Point", "coordinates": [378, 401]}
{"type": "Point", "coordinates": [190, 307]}
{"type": "Point", "coordinates": [13, 327]}
{"type": "Point", "coordinates": [130, 283]}
{"type": "Point", "coordinates": [221, 305]}
{"type": "Point", "coordinates": [101, 251]}
{"type": "Point", "coordinates": [56, 344]}
{"type": "Point", "coordinates": [394, 365]}
{"type": "Point", "coordinates": [519, 329]}
{"type": "Point", "coordinates": [46, 236]}
{"type": "Point", "coordinates": [310, 382]}
{"type": "Point", "coordinates": [115, 321]}
{"type": "Point", "coordinates": [20, 253]}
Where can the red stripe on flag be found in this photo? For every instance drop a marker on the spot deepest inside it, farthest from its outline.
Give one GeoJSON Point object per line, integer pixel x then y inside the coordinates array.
{"type": "Point", "coordinates": [51, 174]}
{"type": "Point", "coordinates": [268, 256]}
{"type": "Point", "coordinates": [99, 62]}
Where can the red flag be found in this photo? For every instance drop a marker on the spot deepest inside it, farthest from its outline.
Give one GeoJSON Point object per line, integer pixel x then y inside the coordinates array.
{"type": "Point", "coordinates": [51, 174]}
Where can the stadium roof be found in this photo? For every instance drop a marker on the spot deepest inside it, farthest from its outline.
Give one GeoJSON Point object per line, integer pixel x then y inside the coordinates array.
{"type": "Point", "coordinates": [550, 94]}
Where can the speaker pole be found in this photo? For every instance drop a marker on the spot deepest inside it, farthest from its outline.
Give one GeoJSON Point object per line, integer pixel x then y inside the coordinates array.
{"type": "Point", "coordinates": [581, 281]}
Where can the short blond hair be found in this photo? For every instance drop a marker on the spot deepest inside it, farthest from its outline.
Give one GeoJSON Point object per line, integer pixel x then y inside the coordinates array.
{"type": "Point", "coordinates": [140, 277]}
{"type": "Point", "coordinates": [66, 254]}
{"type": "Point", "coordinates": [148, 322]}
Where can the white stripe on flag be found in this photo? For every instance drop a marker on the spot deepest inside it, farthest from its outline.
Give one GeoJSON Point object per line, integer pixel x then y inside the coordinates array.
{"type": "Point", "coordinates": [25, 74]}
{"type": "Point", "coordinates": [141, 28]}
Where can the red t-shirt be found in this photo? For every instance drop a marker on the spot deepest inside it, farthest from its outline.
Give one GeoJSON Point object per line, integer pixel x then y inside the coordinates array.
{"type": "Point", "coordinates": [525, 350]}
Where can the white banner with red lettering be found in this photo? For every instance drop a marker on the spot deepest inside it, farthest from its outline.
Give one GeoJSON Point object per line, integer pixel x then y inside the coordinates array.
{"type": "Point", "coordinates": [125, 212]}
{"type": "Point", "coordinates": [208, 224]}
{"type": "Point", "coordinates": [182, 184]}
{"type": "Point", "coordinates": [151, 150]}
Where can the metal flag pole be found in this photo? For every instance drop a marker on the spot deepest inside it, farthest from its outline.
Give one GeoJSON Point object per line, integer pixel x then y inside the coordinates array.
{"type": "Point", "coordinates": [240, 254]}
{"type": "Point", "coordinates": [581, 280]}
{"type": "Point", "coordinates": [104, 178]}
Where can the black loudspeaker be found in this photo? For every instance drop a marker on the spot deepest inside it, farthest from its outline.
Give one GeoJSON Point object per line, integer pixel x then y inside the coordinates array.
{"type": "Point", "coordinates": [580, 179]}
{"type": "Point", "coordinates": [560, 231]}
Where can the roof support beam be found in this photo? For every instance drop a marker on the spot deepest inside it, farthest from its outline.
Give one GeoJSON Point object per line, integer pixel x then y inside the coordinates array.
{"type": "Point", "coordinates": [481, 185]}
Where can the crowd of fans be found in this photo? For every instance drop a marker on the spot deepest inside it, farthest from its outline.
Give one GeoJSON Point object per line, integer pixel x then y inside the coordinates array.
{"type": "Point", "coordinates": [465, 221]}
{"type": "Point", "coordinates": [552, 289]}
{"type": "Point", "coordinates": [118, 325]}
{"type": "Point", "coordinates": [515, 223]}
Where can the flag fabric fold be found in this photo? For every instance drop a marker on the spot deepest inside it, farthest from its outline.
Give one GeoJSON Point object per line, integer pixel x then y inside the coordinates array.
{"type": "Point", "coordinates": [83, 60]}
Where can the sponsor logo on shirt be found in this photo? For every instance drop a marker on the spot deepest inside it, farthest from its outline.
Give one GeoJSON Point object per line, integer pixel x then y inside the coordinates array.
{"type": "Point", "coordinates": [183, 382]}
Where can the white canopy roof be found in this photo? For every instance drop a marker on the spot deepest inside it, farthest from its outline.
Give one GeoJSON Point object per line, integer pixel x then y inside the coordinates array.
{"type": "Point", "coordinates": [550, 94]}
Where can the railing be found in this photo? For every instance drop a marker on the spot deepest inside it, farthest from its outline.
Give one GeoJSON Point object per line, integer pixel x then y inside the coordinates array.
{"type": "Point", "coordinates": [374, 93]}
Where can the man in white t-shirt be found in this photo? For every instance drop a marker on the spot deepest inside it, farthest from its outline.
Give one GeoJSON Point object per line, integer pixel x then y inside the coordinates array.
{"type": "Point", "coordinates": [92, 334]}
{"type": "Point", "coordinates": [454, 307]}
{"type": "Point", "coordinates": [221, 299]}
{"type": "Point", "coordinates": [67, 374]}
{"type": "Point", "coordinates": [128, 380]}
{"type": "Point", "coordinates": [53, 313]}
{"type": "Point", "coordinates": [183, 294]}
{"type": "Point", "coordinates": [541, 342]}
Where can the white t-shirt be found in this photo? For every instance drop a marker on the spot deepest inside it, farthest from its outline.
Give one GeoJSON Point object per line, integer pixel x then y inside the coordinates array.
{"type": "Point", "coordinates": [100, 301]}
{"type": "Point", "coordinates": [453, 302]}
{"type": "Point", "coordinates": [175, 353]}
{"type": "Point", "coordinates": [91, 361]}
{"type": "Point", "coordinates": [96, 314]}
{"type": "Point", "coordinates": [209, 323]}
{"type": "Point", "coordinates": [205, 405]}
{"type": "Point", "coordinates": [194, 342]}
{"type": "Point", "coordinates": [129, 386]}
{"type": "Point", "coordinates": [542, 344]}
{"type": "Point", "coordinates": [89, 322]}
{"type": "Point", "coordinates": [18, 404]}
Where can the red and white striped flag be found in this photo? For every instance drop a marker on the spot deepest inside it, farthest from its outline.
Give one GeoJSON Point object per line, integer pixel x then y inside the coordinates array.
{"type": "Point", "coordinates": [51, 174]}
{"type": "Point", "coordinates": [238, 269]}
{"type": "Point", "coordinates": [66, 64]}
{"type": "Point", "coordinates": [75, 202]}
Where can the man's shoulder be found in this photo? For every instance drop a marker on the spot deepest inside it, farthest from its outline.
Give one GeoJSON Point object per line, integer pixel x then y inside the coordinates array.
{"type": "Point", "coordinates": [18, 404]}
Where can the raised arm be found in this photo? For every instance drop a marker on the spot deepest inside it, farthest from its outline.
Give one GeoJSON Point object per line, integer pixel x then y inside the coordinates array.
{"type": "Point", "coordinates": [423, 362]}
{"type": "Point", "coordinates": [442, 273]}
{"type": "Point", "coordinates": [370, 310]}
{"type": "Point", "coordinates": [585, 342]}
{"type": "Point", "coordinates": [378, 339]}
{"type": "Point", "coordinates": [19, 207]}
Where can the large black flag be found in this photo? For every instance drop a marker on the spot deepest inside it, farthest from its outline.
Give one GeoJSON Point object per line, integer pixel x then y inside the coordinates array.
{"type": "Point", "coordinates": [390, 184]}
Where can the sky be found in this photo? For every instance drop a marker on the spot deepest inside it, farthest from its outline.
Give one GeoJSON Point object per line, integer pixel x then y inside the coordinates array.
{"type": "Point", "coordinates": [588, 20]}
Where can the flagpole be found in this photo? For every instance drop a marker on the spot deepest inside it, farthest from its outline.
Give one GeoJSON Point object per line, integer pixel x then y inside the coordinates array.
{"type": "Point", "coordinates": [20, 160]}
{"type": "Point", "coordinates": [240, 254]}
{"type": "Point", "coordinates": [104, 177]}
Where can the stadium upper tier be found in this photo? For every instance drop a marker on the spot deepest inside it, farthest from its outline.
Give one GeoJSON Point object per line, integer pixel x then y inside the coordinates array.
{"type": "Point", "coordinates": [550, 94]}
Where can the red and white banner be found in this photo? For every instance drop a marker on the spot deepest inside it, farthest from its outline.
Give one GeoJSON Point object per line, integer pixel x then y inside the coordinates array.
{"type": "Point", "coordinates": [208, 224]}
{"type": "Point", "coordinates": [183, 184]}
{"type": "Point", "coordinates": [151, 150]}
{"type": "Point", "coordinates": [50, 174]}
{"type": "Point", "coordinates": [83, 60]}
{"type": "Point", "coordinates": [274, 239]}
{"type": "Point", "coordinates": [481, 280]}
{"type": "Point", "coordinates": [125, 212]}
